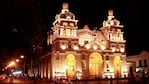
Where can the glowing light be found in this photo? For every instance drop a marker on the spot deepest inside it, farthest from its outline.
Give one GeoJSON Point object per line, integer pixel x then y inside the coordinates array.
{"type": "Point", "coordinates": [90, 64]}
{"type": "Point", "coordinates": [117, 49]}
{"type": "Point", "coordinates": [75, 47]}
{"type": "Point", "coordinates": [122, 49]}
{"type": "Point", "coordinates": [87, 46]}
{"type": "Point", "coordinates": [17, 60]}
{"type": "Point", "coordinates": [95, 60]}
{"type": "Point", "coordinates": [70, 62]}
{"type": "Point", "coordinates": [3, 69]}
{"type": "Point", "coordinates": [59, 74]}
{"type": "Point", "coordinates": [66, 67]}
{"type": "Point", "coordinates": [109, 74]}
{"type": "Point", "coordinates": [21, 56]}
{"type": "Point", "coordinates": [17, 72]}
{"type": "Point", "coordinates": [95, 47]}
{"type": "Point", "coordinates": [68, 17]}
{"type": "Point", "coordinates": [138, 69]}
{"type": "Point", "coordinates": [79, 74]}
{"type": "Point", "coordinates": [112, 23]}
{"type": "Point", "coordinates": [68, 32]}
{"type": "Point", "coordinates": [103, 47]}
{"type": "Point", "coordinates": [75, 34]}
{"type": "Point", "coordinates": [113, 49]}
{"type": "Point", "coordinates": [11, 64]}
{"type": "Point", "coordinates": [63, 47]}
{"type": "Point", "coordinates": [6, 67]}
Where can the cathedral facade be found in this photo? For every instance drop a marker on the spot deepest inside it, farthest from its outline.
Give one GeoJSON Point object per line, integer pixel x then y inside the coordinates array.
{"type": "Point", "coordinates": [84, 53]}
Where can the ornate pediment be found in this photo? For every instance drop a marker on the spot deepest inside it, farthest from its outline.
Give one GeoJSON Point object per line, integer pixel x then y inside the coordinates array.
{"type": "Point", "coordinates": [96, 44]}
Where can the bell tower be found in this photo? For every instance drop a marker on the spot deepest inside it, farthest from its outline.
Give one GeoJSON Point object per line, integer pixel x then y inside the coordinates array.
{"type": "Point", "coordinates": [65, 24]}
{"type": "Point", "coordinates": [113, 32]}
{"type": "Point", "coordinates": [63, 39]}
{"type": "Point", "coordinates": [64, 31]}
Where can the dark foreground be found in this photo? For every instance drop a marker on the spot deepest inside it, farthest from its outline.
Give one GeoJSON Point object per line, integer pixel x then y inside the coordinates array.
{"type": "Point", "coordinates": [119, 81]}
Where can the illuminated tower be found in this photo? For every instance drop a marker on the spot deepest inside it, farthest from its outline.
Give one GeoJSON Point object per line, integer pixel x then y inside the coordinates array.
{"type": "Point", "coordinates": [64, 40]}
{"type": "Point", "coordinates": [65, 24]}
{"type": "Point", "coordinates": [113, 32]}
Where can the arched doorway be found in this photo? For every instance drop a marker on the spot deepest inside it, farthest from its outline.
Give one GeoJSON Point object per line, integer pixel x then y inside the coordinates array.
{"type": "Point", "coordinates": [117, 66]}
{"type": "Point", "coordinates": [70, 65]}
{"type": "Point", "coordinates": [95, 64]}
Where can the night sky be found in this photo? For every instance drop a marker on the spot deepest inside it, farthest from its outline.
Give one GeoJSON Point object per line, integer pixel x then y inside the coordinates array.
{"type": "Point", "coordinates": [27, 16]}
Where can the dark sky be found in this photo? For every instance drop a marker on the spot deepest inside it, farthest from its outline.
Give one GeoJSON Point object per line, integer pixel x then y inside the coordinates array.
{"type": "Point", "coordinates": [27, 15]}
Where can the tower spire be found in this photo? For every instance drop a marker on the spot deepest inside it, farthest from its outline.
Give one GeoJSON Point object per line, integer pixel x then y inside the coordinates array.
{"type": "Point", "coordinates": [65, 5]}
{"type": "Point", "coordinates": [110, 14]}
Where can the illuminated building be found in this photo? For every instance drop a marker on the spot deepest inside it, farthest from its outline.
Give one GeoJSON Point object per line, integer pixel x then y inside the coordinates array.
{"type": "Point", "coordinates": [85, 53]}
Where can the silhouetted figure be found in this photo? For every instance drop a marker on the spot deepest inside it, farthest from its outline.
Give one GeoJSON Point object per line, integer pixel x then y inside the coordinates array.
{"type": "Point", "coordinates": [111, 80]}
{"type": "Point", "coordinates": [138, 79]}
{"type": "Point", "coordinates": [144, 79]}
{"type": "Point", "coordinates": [132, 79]}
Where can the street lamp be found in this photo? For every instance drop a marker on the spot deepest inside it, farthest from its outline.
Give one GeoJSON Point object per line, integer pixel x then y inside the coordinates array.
{"type": "Point", "coordinates": [11, 64]}
{"type": "Point", "coordinates": [22, 57]}
{"type": "Point", "coordinates": [17, 60]}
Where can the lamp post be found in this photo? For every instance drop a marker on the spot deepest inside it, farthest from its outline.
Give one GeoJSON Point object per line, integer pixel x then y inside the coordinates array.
{"type": "Point", "coordinates": [22, 57]}
{"type": "Point", "coordinates": [11, 64]}
{"type": "Point", "coordinates": [9, 67]}
{"type": "Point", "coordinates": [17, 60]}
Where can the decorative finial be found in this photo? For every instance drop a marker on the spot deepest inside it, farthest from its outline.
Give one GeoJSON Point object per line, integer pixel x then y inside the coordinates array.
{"type": "Point", "coordinates": [65, 5]}
{"type": "Point", "coordinates": [110, 12]}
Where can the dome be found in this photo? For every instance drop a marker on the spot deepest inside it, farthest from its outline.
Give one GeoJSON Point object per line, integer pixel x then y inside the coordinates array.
{"type": "Point", "coordinates": [65, 14]}
{"type": "Point", "coordinates": [111, 20]}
